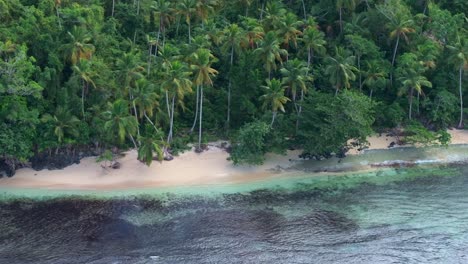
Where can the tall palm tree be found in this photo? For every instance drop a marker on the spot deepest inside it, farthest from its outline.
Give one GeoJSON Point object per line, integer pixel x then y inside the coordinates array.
{"type": "Point", "coordinates": [119, 121]}
{"type": "Point", "coordinates": [130, 69]}
{"type": "Point", "coordinates": [340, 69]}
{"type": "Point", "coordinates": [349, 5]}
{"type": "Point", "coordinates": [164, 12]}
{"type": "Point", "coordinates": [145, 97]}
{"type": "Point", "coordinates": [85, 72]}
{"type": "Point", "coordinates": [400, 28]}
{"type": "Point", "coordinates": [274, 98]}
{"type": "Point", "coordinates": [295, 77]}
{"type": "Point", "coordinates": [232, 38]}
{"type": "Point", "coordinates": [187, 9]}
{"type": "Point", "coordinates": [201, 66]}
{"type": "Point", "coordinates": [176, 83]}
{"type": "Point", "coordinates": [410, 83]}
{"type": "Point", "coordinates": [275, 13]}
{"type": "Point", "coordinates": [314, 42]}
{"type": "Point", "coordinates": [459, 59]}
{"type": "Point", "coordinates": [269, 52]}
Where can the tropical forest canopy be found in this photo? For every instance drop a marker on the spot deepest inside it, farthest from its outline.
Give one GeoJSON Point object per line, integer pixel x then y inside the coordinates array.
{"type": "Point", "coordinates": [266, 74]}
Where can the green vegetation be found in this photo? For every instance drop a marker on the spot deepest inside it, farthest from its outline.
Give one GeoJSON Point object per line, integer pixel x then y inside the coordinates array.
{"type": "Point", "coordinates": [267, 75]}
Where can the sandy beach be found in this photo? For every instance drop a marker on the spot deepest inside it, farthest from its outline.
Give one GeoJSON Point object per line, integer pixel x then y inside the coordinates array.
{"type": "Point", "coordinates": [189, 168]}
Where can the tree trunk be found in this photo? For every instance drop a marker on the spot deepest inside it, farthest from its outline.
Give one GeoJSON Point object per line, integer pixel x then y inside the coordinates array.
{"type": "Point", "coordinates": [273, 117]}
{"type": "Point", "coordinates": [360, 74]}
{"type": "Point", "coordinates": [262, 10]}
{"type": "Point", "coordinates": [189, 34]}
{"type": "Point", "coordinates": [113, 7]}
{"type": "Point", "coordinates": [304, 9]}
{"type": "Point", "coordinates": [370, 94]}
{"type": "Point", "coordinates": [410, 103]}
{"type": "Point", "coordinates": [299, 111]}
{"type": "Point", "coordinates": [171, 124]}
{"type": "Point", "coordinates": [201, 118]}
{"type": "Point", "coordinates": [133, 140]}
{"type": "Point", "coordinates": [58, 17]}
{"type": "Point", "coordinates": [460, 124]}
{"type": "Point", "coordinates": [136, 116]}
{"type": "Point", "coordinates": [341, 21]}
{"type": "Point", "coordinates": [393, 59]}
{"type": "Point", "coordinates": [167, 105]}
{"type": "Point", "coordinates": [196, 110]}
{"type": "Point", "coordinates": [82, 98]}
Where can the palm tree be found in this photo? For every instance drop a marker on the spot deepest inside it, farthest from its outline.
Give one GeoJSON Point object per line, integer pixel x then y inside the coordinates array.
{"type": "Point", "coordinates": [119, 121]}
{"type": "Point", "coordinates": [270, 52]}
{"type": "Point", "coordinates": [85, 72]}
{"type": "Point", "coordinates": [176, 83]}
{"type": "Point", "coordinates": [79, 47]}
{"type": "Point", "coordinates": [253, 32]}
{"type": "Point", "coordinates": [314, 42]}
{"type": "Point", "coordinates": [459, 59]}
{"type": "Point", "coordinates": [375, 76]}
{"type": "Point", "coordinates": [163, 10]}
{"type": "Point", "coordinates": [350, 5]}
{"type": "Point", "coordinates": [232, 38]}
{"type": "Point", "coordinates": [275, 13]}
{"type": "Point", "coordinates": [361, 47]}
{"type": "Point", "coordinates": [399, 29]}
{"type": "Point", "coordinates": [145, 97]}
{"type": "Point", "coordinates": [412, 82]}
{"type": "Point", "coordinates": [274, 98]}
{"type": "Point", "coordinates": [130, 69]}
{"type": "Point", "coordinates": [187, 9]}
{"type": "Point", "coordinates": [63, 122]}
{"type": "Point", "coordinates": [340, 69]}
{"type": "Point", "coordinates": [288, 29]}
{"type": "Point", "coordinates": [148, 147]}
{"type": "Point", "coordinates": [201, 66]}
{"type": "Point", "coordinates": [295, 77]}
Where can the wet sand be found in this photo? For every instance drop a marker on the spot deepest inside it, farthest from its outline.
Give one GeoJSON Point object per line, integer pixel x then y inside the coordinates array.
{"type": "Point", "coordinates": [190, 168]}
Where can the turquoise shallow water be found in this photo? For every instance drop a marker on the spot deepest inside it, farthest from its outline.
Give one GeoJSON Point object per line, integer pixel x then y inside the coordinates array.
{"type": "Point", "coordinates": [410, 215]}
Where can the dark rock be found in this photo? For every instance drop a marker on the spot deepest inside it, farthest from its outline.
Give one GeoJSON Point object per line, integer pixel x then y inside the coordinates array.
{"type": "Point", "coordinates": [116, 165]}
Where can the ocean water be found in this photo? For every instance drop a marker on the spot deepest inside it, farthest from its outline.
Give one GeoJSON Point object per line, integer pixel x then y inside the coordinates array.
{"type": "Point", "coordinates": [400, 215]}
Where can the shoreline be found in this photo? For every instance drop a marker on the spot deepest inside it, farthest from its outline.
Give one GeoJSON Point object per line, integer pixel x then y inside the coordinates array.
{"type": "Point", "coordinates": [188, 169]}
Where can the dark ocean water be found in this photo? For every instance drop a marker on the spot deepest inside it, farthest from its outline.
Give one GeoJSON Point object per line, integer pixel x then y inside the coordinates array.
{"type": "Point", "coordinates": [420, 218]}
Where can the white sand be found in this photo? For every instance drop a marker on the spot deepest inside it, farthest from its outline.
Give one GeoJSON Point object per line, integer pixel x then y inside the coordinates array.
{"type": "Point", "coordinates": [190, 168]}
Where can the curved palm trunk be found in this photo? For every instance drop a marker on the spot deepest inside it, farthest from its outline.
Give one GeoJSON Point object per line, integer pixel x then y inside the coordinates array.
{"type": "Point", "coordinates": [135, 113]}
{"type": "Point", "coordinates": [196, 110]}
{"type": "Point", "coordinates": [273, 117]}
{"type": "Point", "coordinates": [460, 124]}
{"type": "Point", "coordinates": [189, 34]}
{"type": "Point", "coordinates": [171, 124]}
{"type": "Point", "coordinates": [393, 58]}
{"type": "Point", "coordinates": [201, 118]}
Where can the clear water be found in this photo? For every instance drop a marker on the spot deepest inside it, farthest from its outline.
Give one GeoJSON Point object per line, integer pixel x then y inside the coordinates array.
{"type": "Point", "coordinates": [399, 215]}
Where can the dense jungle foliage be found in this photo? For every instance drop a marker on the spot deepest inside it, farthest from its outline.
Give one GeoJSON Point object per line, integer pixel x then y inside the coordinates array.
{"type": "Point", "coordinates": [266, 74]}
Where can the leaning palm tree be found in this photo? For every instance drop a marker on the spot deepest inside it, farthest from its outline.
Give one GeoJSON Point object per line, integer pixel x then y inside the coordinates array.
{"type": "Point", "coordinates": [232, 40]}
{"type": "Point", "coordinates": [201, 62]}
{"type": "Point", "coordinates": [341, 69]}
{"type": "Point", "coordinates": [459, 59]}
{"type": "Point", "coordinates": [295, 78]}
{"type": "Point", "coordinates": [176, 84]}
{"type": "Point", "coordinates": [85, 72]}
{"type": "Point", "coordinates": [119, 121]}
{"type": "Point", "coordinates": [269, 52]}
{"type": "Point", "coordinates": [274, 98]}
